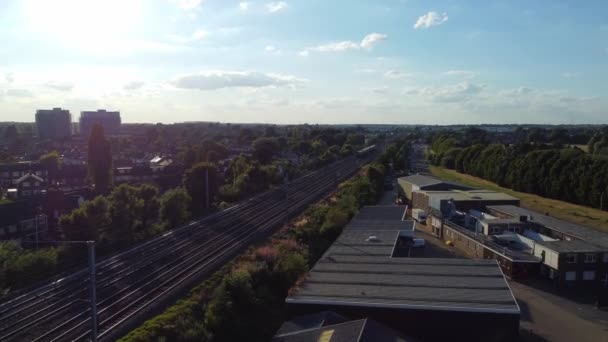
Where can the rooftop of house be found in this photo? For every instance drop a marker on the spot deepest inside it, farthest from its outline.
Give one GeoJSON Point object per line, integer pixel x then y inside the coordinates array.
{"type": "Point", "coordinates": [588, 234]}
{"type": "Point", "coordinates": [29, 176]}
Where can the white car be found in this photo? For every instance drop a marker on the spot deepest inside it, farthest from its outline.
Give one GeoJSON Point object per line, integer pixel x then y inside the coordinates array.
{"type": "Point", "coordinates": [418, 243]}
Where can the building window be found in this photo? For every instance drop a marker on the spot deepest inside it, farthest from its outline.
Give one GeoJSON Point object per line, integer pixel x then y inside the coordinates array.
{"type": "Point", "coordinates": [605, 259]}
{"type": "Point", "coordinates": [571, 276]}
{"type": "Point", "coordinates": [590, 258]}
{"type": "Point", "coordinates": [605, 280]}
{"type": "Point", "coordinates": [26, 183]}
{"type": "Point", "coordinates": [589, 275]}
{"type": "Point", "coordinates": [494, 230]}
{"type": "Point", "coordinates": [571, 258]}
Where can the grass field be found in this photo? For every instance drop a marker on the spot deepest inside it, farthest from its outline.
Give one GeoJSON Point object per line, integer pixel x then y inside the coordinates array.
{"type": "Point", "coordinates": [566, 211]}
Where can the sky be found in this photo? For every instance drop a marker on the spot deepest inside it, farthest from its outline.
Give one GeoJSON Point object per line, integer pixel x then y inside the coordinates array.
{"type": "Point", "coordinates": [308, 61]}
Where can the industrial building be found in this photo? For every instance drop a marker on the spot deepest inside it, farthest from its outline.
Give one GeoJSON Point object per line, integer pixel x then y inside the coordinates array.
{"type": "Point", "coordinates": [410, 184]}
{"type": "Point", "coordinates": [461, 200]}
{"type": "Point", "coordinates": [54, 123]}
{"type": "Point", "coordinates": [109, 120]}
{"type": "Point", "coordinates": [571, 254]}
{"type": "Point", "coordinates": [366, 274]}
{"type": "Point", "coordinates": [329, 326]}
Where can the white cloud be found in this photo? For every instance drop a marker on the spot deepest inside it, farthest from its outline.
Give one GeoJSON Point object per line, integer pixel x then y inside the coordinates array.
{"type": "Point", "coordinates": [372, 39]}
{"type": "Point", "coordinates": [380, 90]}
{"type": "Point", "coordinates": [244, 6]}
{"type": "Point", "coordinates": [304, 53]}
{"type": "Point", "coordinates": [197, 35]}
{"type": "Point", "coordinates": [570, 74]}
{"type": "Point", "coordinates": [367, 43]}
{"type": "Point", "coordinates": [460, 73]}
{"type": "Point", "coordinates": [452, 93]}
{"type": "Point", "coordinates": [430, 19]}
{"type": "Point", "coordinates": [187, 4]}
{"type": "Point", "coordinates": [517, 92]}
{"type": "Point", "coordinates": [213, 80]}
{"type": "Point", "coordinates": [133, 85]}
{"type": "Point", "coordinates": [337, 46]}
{"type": "Point", "coordinates": [270, 48]}
{"type": "Point", "coordinates": [9, 77]}
{"type": "Point", "coordinates": [276, 6]}
{"type": "Point", "coordinates": [59, 86]}
{"type": "Point", "coordinates": [396, 74]}
{"type": "Point", "coordinates": [18, 93]}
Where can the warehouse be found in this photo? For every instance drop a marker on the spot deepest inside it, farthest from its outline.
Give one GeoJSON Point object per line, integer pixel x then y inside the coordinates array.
{"type": "Point", "coordinates": [329, 326]}
{"type": "Point", "coordinates": [361, 276]}
{"type": "Point", "coordinates": [449, 201]}
{"type": "Point", "coordinates": [410, 184]}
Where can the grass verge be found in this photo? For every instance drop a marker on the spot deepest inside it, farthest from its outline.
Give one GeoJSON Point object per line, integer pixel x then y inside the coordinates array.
{"type": "Point", "coordinates": [590, 217]}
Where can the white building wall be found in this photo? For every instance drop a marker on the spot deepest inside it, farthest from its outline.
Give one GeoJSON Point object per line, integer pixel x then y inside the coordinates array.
{"type": "Point", "coordinates": [551, 257]}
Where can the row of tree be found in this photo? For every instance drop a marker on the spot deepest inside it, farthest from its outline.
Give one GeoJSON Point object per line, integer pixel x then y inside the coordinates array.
{"type": "Point", "coordinates": [567, 174]}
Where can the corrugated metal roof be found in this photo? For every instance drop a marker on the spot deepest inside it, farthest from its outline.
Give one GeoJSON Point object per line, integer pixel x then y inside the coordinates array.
{"type": "Point", "coordinates": [414, 283]}
{"type": "Point", "coordinates": [381, 213]}
{"type": "Point", "coordinates": [380, 225]}
{"type": "Point", "coordinates": [421, 180]}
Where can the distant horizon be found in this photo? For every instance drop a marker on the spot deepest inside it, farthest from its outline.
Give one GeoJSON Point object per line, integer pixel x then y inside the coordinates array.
{"type": "Point", "coordinates": [333, 124]}
{"type": "Point", "coordinates": [406, 62]}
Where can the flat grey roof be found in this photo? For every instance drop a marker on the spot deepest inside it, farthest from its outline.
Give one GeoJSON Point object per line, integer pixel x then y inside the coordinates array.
{"type": "Point", "coordinates": [381, 213]}
{"type": "Point", "coordinates": [421, 180]}
{"type": "Point", "coordinates": [588, 234]}
{"type": "Point", "coordinates": [358, 242]}
{"type": "Point", "coordinates": [407, 283]}
{"type": "Point", "coordinates": [380, 225]}
{"type": "Point", "coordinates": [574, 246]}
{"type": "Point", "coordinates": [470, 195]}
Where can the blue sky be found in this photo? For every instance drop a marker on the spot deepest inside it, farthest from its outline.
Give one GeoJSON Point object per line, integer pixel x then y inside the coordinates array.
{"type": "Point", "coordinates": [307, 61]}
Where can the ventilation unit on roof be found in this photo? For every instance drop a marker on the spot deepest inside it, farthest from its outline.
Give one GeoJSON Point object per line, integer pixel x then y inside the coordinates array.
{"type": "Point", "coordinates": [372, 238]}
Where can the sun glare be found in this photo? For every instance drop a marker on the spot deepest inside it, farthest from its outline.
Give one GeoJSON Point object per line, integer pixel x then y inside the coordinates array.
{"type": "Point", "coordinates": [85, 23]}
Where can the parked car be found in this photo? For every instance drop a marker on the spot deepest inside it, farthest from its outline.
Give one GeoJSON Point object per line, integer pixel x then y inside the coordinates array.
{"type": "Point", "coordinates": [419, 215]}
{"type": "Point", "coordinates": [418, 243]}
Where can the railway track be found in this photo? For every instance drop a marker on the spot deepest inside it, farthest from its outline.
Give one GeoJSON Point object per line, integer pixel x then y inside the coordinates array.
{"type": "Point", "coordinates": [130, 283]}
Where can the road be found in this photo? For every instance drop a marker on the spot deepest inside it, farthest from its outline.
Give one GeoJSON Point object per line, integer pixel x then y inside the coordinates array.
{"type": "Point", "coordinates": [130, 284]}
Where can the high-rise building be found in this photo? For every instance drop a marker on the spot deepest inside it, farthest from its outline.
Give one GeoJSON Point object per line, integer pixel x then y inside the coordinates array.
{"type": "Point", "coordinates": [54, 123]}
{"type": "Point", "coordinates": [109, 120]}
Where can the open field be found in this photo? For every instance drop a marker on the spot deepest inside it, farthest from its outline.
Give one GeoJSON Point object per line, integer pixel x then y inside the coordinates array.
{"type": "Point", "coordinates": [566, 211]}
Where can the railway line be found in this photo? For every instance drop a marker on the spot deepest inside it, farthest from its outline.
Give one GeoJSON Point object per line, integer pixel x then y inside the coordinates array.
{"type": "Point", "coordinates": [130, 283]}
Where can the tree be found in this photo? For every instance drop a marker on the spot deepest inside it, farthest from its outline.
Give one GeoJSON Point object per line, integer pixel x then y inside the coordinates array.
{"type": "Point", "coordinates": [99, 159]}
{"type": "Point", "coordinates": [151, 204]}
{"type": "Point", "coordinates": [174, 207]}
{"type": "Point", "coordinates": [196, 185]}
{"type": "Point", "coordinates": [355, 139]}
{"type": "Point", "coordinates": [264, 149]}
{"type": "Point", "coordinates": [87, 222]}
{"type": "Point", "coordinates": [52, 162]}
{"type": "Point", "coordinates": [125, 211]}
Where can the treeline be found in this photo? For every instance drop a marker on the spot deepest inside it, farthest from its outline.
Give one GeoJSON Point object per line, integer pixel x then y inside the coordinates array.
{"type": "Point", "coordinates": [246, 300]}
{"type": "Point", "coordinates": [19, 268]}
{"type": "Point", "coordinates": [567, 174]}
